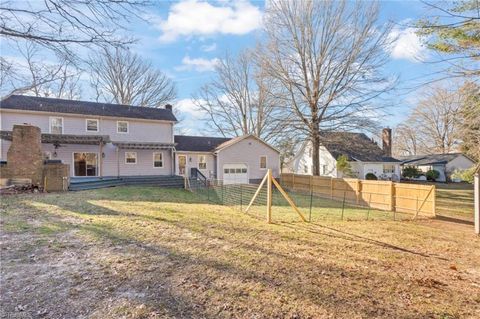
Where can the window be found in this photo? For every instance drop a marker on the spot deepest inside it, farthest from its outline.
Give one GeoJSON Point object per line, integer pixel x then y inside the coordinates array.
{"type": "Point", "coordinates": [157, 159]}
{"type": "Point", "coordinates": [324, 169]}
{"type": "Point", "coordinates": [130, 157]}
{"type": "Point", "coordinates": [305, 169]}
{"type": "Point", "coordinates": [388, 169]}
{"type": "Point", "coordinates": [263, 162]}
{"type": "Point", "coordinates": [56, 125]}
{"type": "Point", "coordinates": [91, 125]}
{"type": "Point", "coordinates": [122, 127]}
{"type": "Point", "coordinates": [202, 162]}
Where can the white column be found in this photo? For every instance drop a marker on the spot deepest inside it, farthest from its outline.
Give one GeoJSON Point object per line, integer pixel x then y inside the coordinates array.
{"type": "Point", "coordinates": [476, 195]}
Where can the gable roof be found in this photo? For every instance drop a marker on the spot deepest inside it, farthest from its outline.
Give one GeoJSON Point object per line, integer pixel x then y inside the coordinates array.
{"type": "Point", "coordinates": [431, 159]}
{"type": "Point", "coordinates": [356, 146]}
{"type": "Point", "coordinates": [54, 105]}
{"type": "Point", "coordinates": [198, 143]}
{"type": "Point", "coordinates": [241, 138]}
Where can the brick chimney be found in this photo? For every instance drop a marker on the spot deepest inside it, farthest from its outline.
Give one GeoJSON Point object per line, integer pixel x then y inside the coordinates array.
{"type": "Point", "coordinates": [387, 141]}
{"type": "Point", "coordinates": [168, 107]}
{"type": "Point", "coordinates": [25, 155]}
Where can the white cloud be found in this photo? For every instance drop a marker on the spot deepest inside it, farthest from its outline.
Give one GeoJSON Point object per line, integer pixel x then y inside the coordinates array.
{"type": "Point", "coordinates": [193, 17]}
{"type": "Point", "coordinates": [407, 45]}
{"type": "Point", "coordinates": [186, 106]}
{"type": "Point", "coordinates": [197, 64]}
{"type": "Point", "coordinates": [209, 48]}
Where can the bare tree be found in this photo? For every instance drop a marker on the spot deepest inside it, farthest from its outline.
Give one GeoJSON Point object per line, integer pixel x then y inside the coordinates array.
{"type": "Point", "coordinates": [405, 141]}
{"type": "Point", "coordinates": [31, 74]}
{"type": "Point", "coordinates": [124, 77]}
{"type": "Point", "coordinates": [327, 56]}
{"type": "Point", "coordinates": [60, 24]}
{"type": "Point", "coordinates": [434, 123]}
{"type": "Point", "coordinates": [239, 99]}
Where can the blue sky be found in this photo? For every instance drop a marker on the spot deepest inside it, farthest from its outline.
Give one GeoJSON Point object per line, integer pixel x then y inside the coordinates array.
{"type": "Point", "coordinates": [185, 39]}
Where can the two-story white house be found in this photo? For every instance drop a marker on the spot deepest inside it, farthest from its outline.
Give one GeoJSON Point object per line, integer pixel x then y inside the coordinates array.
{"type": "Point", "coordinates": [101, 140]}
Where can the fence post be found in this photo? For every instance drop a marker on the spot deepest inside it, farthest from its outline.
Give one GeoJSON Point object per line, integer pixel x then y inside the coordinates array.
{"type": "Point", "coordinates": [331, 187]}
{"type": "Point", "coordinates": [358, 190]}
{"type": "Point", "coordinates": [434, 203]}
{"type": "Point", "coordinates": [269, 196]}
{"type": "Point", "coordinates": [241, 198]}
{"type": "Point", "coordinates": [392, 196]}
{"type": "Point", "coordinates": [293, 181]}
{"type": "Point", "coordinates": [369, 203]}
{"type": "Point", "coordinates": [343, 204]}
{"type": "Point", "coordinates": [311, 198]}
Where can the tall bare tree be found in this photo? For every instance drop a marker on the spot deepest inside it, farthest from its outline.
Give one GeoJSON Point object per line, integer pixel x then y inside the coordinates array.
{"type": "Point", "coordinates": [125, 78]}
{"type": "Point", "coordinates": [328, 57]}
{"type": "Point", "coordinates": [434, 123]}
{"type": "Point", "coordinates": [239, 100]}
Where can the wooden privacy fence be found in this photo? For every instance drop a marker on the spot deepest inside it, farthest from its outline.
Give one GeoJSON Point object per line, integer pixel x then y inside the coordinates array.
{"type": "Point", "coordinates": [385, 195]}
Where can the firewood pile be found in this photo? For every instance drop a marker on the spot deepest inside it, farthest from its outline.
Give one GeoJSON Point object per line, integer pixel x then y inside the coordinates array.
{"type": "Point", "coordinates": [19, 189]}
{"type": "Point", "coordinates": [20, 186]}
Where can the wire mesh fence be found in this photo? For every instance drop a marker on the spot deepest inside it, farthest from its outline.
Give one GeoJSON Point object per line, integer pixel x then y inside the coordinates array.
{"type": "Point", "coordinates": [313, 206]}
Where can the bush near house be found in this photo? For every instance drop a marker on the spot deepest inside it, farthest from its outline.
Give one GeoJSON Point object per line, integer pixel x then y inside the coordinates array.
{"type": "Point", "coordinates": [465, 175]}
{"type": "Point", "coordinates": [432, 175]}
{"type": "Point", "coordinates": [371, 177]}
{"type": "Point", "coordinates": [411, 172]}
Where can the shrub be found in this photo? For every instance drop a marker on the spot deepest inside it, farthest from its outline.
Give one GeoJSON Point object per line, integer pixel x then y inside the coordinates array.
{"type": "Point", "coordinates": [432, 175]}
{"type": "Point", "coordinates": [411, 172]}
{"type": "Point", "coordinates": [343, 165]}
{"type": "Point", "coordinates": [465, 175]}
{"type": "Point", "coordinates": [371, 177]}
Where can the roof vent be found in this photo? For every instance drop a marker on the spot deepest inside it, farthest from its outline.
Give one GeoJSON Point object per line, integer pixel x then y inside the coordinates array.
{"type": "Point", "coordinates": [168, 107]}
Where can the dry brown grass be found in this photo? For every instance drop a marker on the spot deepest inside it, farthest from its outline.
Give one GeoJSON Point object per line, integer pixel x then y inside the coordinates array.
{"type": "Point", "coordinates": [155, 253]}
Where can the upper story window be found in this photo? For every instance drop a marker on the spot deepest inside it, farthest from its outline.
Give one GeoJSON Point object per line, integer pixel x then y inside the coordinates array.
{"type": "Point", "coordinates": [92, 125]}
{"type": "Point", "coordinates": [202, 162]}
{"type": "Point", "coordinates": [157, 159]}
{"type": "Point", "coordinates": [122, 127]}
{"type": "Point", "coordinates": [263, 162]}
{"type": "Point", "coordinates": [56, 125]}
{"type": "Point", "coordinates": [130, 157]}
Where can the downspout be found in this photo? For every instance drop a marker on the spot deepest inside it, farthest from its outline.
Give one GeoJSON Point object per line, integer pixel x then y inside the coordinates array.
{"type": "Point", "coordinates": [118, 162]}
{"type": "Point", "coordinates": [100, 153]}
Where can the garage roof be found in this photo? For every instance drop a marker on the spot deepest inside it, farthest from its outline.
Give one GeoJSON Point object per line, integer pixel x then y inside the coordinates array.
{"type": "Point", "coordinates": [198, 143]}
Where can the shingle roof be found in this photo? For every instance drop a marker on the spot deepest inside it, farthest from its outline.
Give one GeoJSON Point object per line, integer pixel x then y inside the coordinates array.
{"type": "Point", "coordinates": [356, 146]}
{"type": "Point", "coordinates": [429, 159]}
{"type": "Point", "coordinates": [34, 103]}
{"type": "Point", "coordinates": [198, 143]}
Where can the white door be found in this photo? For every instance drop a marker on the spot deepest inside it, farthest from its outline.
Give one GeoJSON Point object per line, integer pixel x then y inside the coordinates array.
{"type": "Point", "coordinates": [235, 174]}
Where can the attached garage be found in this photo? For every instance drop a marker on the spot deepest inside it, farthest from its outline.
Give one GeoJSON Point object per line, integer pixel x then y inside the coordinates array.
{"type": "Point", "coordinates": [235, 174]}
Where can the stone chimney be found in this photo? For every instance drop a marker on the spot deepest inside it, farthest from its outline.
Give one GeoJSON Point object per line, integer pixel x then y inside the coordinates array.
{"type": "Point", "coordinates": [25, 156]}
{"type": "Point", "coordinates": [387, 141]}
{"type": "Point", "coordinates": [168, 107]}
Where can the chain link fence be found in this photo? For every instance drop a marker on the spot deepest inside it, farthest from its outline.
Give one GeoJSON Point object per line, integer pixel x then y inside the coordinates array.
{"type": "Point", "coordinates": [314, 207]}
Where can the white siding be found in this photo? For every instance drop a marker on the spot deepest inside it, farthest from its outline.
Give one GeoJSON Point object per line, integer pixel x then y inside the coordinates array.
{"type": "Point", "coordinates": [248, 151]}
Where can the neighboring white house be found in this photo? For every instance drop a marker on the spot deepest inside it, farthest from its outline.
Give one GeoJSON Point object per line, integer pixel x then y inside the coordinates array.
{"type": "Point", "coordinates": [445, 164]}
{"type": "Point", "coordinates": [364, 156]}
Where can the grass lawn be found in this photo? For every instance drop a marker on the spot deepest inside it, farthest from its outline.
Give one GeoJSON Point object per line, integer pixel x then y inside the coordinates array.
{"type": "Point", "coordinates": [455, 200]}
{"type": "Point", "coordinates": [141, 252]}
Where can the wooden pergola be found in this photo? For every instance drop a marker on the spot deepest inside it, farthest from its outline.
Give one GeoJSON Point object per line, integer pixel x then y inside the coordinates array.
{"type": "Point", "coordinates": [58, 139]}
{"type": "Point", "coordinates": [144, 145]}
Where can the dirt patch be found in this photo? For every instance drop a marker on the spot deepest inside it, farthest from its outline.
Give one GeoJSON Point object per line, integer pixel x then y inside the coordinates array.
{"type": "Point", "coordinates": [152, 253]}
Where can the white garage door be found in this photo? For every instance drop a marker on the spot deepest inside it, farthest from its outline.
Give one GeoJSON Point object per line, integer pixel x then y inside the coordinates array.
{"type": "Point", "coordinates": [235, 174]}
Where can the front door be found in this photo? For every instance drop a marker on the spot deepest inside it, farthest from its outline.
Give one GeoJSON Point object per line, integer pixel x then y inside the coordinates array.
{"type": "Point", "coordinates": [182, 164]}
{"type": "Point", "coordinates": [85, 164]}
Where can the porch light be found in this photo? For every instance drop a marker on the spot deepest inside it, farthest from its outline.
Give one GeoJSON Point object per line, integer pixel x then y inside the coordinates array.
{"type": "Point", "coordinates": [54, 154]}
{"type": "Point", "coordinates": [103, 154]}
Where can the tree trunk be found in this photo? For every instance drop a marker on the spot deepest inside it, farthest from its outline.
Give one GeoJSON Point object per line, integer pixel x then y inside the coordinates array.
{"type": "Point", "coordinates": [315, 153]}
